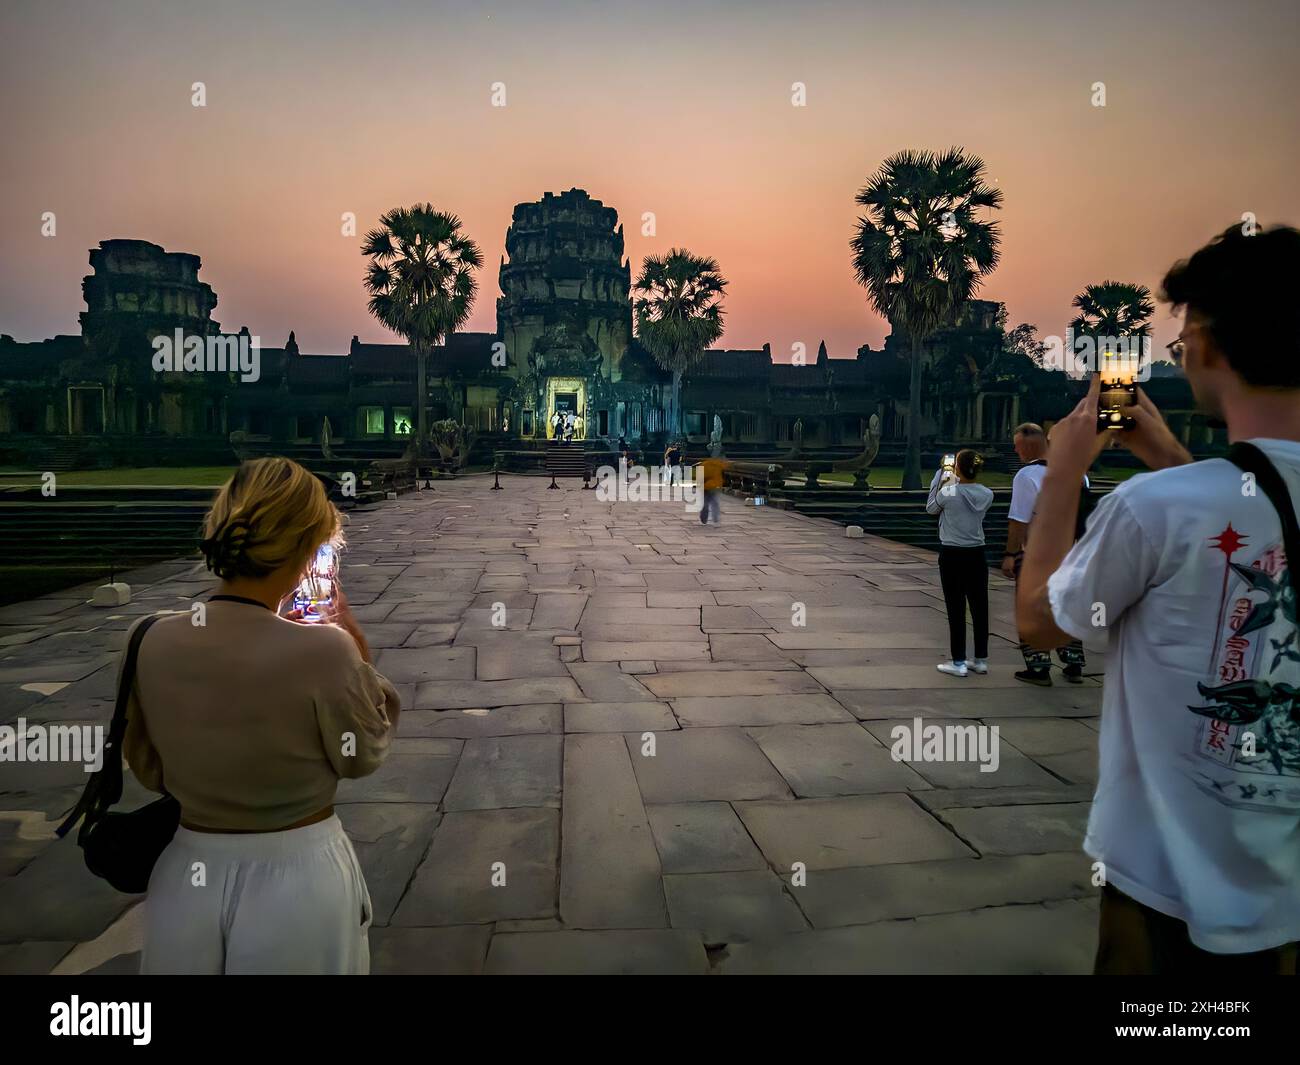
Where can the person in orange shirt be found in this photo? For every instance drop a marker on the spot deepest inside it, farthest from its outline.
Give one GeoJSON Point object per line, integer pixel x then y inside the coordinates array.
{"type": "Point", "coordinates": [711, 471]}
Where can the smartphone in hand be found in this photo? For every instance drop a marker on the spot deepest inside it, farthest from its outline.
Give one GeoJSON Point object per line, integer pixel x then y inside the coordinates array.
{"type": "Point", "coordinates": [1119, 375]}
{"type": "Point", "coordinates": [313, 599]}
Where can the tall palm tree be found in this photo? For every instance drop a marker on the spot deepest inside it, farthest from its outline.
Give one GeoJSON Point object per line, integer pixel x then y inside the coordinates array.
{"type": "Point", "coordinates": [1113, 310]}
{"type": "Point", "coordinates": [678, 308]}
{"type": "Point", "coordinates": [421, 285]}
{"type": "Point", "coordinates": [920, 251]}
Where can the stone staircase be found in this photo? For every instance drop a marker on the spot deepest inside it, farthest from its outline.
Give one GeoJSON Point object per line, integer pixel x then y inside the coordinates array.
{"type": "Point", "coordinates": [566, 460]}
{"type": "Point", "coordinates": [55, 543]}
{"type": "Point", "coordinates": [892, 513]}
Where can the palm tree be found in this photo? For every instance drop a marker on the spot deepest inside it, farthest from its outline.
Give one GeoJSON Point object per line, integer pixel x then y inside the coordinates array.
{"type": "Point", "coordinates": [678, 314]}
{"type": "Point", "coordinates": [421, 285]}
{"type": "Point", "coordinates": [920, 251]}
{"type": "Point", "coordinates": [1110, 312]}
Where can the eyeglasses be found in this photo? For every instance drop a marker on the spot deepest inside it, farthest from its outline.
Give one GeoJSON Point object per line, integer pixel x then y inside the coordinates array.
{"type": "Point", "coordinates": [1177, 347]}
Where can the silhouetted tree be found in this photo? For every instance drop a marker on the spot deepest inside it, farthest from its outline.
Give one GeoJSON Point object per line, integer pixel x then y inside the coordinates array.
{"type": "Point", "coordinates": [920, 252]}
{"type": "Point", "coordinates": [421, 285]}
{"type": "Point", "coordinates": [678, 305]}
{"type": "Point", "coordinates": [1113, 309]}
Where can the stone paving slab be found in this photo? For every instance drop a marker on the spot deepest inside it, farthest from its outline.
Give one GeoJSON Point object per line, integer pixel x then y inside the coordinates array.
{"type": "Point", "coordinates": [666, 952]}
{"type": "Point", "coordinates": [390, 841]}
{"type": "Point", "coordinates": [818, 761]}
{"type": "Point", "coordinates": [1049, 938]}
{"type": "Point", "coordinates": [655, 650]}
{"type": "Point", "coordinates": [543, 643]}
{"type": "Point", "coordinates": [732, 907]}
{"type": "Point", "coordinates": [495, 772]}
{"type": "Point", "coordinates": [609, 873]}
{"type": "Point", "coordinates": [750, 682]}
{"type": "Point", "coordinates": [455, 951]}
{"type": "Point", "coordinates": [865, 895]}
{"type": "Point", "coordinates": [845, 832]}
{"type": "Point", "coordinates": [618, 717]}
{"type": "Point", "coordinates": [454, 884]}
{"type": "Point", "coordinates": [471, 722]}
{"type": "Point", "coordinates": [699, 764]}
{"type": "Point", "coordinates": [416, 770]}
{"type": "Point", "coordinates": [714, 710]}
{"type": "Point", "coordinates": [451, 695]}
{"type": "Point", "coordinates": [409, 664]}
{"type": "Point", "coordinates": [606, 682]}
{"type": "Point", "coordinates": [702, 837]}
{"type": "Point", "coordinates": [1024, 700]}
{"type": "Point", "coordinates": [1021, 829]}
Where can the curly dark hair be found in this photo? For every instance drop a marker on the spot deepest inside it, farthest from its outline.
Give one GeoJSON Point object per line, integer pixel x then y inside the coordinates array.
{"type": "Point", "coordinates": [1241, 285]}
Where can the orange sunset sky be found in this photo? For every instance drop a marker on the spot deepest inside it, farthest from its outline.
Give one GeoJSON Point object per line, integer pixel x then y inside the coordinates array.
{"type": "Point", "coordinates": [683, 109]}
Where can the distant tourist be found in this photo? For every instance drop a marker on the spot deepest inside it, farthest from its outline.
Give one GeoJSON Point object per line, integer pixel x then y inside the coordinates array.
{"type": "Point", "coordinates": [1030, 443]}
{"type": "Point", "coordinates": [556, 421]}
{"type": "Point", "coordinates": [712, 481]}
{"type": "Point", "coordinates": [623, 454]}
{"type": "Point", "coordinates": [250, 720]}
{"type": "Point", "coordinates": [1192, 571]}
{"type": "Point", "coordinates": [963, 570]}
{"type": "Point", "coordinates": [673, 462]}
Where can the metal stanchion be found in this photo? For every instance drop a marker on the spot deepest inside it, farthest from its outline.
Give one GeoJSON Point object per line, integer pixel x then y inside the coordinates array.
{"type": "Point", "coordinates": [552, 484]}
{"type": "Point", "coordinates": [496, 480]}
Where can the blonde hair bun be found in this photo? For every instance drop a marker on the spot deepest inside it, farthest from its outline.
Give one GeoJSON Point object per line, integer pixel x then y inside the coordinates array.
{"type": "Point", "coordinates": [272, 513]}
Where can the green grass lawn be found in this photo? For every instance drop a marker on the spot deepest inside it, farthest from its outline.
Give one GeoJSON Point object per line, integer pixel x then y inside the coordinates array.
{"type": "Point", "coordinates": [192, 476]}
{"type": "Point", "coordinates": [892, 476]}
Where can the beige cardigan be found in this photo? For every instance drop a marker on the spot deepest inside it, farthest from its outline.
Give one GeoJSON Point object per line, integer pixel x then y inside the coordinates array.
{"type": "Point", "coordinates": [250, 720]}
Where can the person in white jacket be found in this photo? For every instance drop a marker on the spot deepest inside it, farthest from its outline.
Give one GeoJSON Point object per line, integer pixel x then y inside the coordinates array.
{"type": "Point", "coordinates": [963, 570]}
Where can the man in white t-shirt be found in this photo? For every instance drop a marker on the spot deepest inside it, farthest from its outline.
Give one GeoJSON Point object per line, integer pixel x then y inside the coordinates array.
{"type": "Point", "coordinates": [1030, 443]}
{"type": "Point", "coordinates": [1196, 819]}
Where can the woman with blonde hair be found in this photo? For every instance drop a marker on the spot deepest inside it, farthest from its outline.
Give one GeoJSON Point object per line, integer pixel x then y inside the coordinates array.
{"type": "Point", "coordinates": [249, 720]}
{"type": "Point", "coordinates": [963, 570]}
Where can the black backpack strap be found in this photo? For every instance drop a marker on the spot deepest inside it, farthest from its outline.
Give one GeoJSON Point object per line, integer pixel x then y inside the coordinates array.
{"type": "Point", "coordinates": [104, 787]}
{"type": "Point", "coordinates": [1251, 459]}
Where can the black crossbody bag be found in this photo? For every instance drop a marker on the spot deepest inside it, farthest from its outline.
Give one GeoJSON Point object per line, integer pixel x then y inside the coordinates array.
{"type": "Point", "coordinates": [121, 848]}
{"type": "Point", "coordinates": [1252, 460]}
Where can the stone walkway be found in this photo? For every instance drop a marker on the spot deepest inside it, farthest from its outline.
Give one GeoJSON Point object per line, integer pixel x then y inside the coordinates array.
{"type": "Point", "coordinates": [616, 711]}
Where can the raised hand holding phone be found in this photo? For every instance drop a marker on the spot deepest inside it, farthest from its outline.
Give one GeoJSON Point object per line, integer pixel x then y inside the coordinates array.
{"type": "Point", "coordinates": [1150, 437]}
{"type": "Point", "coordinates": [313, 601]}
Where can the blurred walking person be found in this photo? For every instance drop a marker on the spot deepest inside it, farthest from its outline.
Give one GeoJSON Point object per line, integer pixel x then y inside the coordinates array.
{"type": "Point", "coordinates": [711, 481]}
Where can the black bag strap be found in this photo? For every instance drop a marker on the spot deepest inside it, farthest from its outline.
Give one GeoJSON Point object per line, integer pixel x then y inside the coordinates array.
{"type": "Point", "coordinates": [1253, 461]}
{"type": "Point", "coordinates": [104, 788]}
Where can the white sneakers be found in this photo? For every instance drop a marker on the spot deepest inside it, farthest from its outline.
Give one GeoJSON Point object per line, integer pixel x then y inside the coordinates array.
{"type": "Point", "coordinates": [960, 669]}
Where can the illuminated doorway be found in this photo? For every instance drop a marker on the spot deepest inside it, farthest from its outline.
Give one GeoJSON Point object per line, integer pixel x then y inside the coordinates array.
{"type": "Point", "coordinates": [566, 395]}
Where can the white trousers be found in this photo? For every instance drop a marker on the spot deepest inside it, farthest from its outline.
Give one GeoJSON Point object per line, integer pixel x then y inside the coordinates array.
{"type": "Point", "coordinates": [258, 902]}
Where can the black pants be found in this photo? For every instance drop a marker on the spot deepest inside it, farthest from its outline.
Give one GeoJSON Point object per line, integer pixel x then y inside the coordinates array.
{"type": "Point", "coordinates": [964, 576]}
{"type": "Point", "coordinates": [1041, 661]}
{"type": "Point", "coordinates": [1135, 940]}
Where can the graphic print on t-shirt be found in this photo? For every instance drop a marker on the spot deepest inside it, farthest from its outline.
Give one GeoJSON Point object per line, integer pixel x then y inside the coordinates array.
{"type": "Point", "coordinates": [1252, 699]}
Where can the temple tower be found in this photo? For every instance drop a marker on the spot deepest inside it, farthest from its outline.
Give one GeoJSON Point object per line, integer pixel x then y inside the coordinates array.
{"type": "Point", "coordinates": [564, 313]}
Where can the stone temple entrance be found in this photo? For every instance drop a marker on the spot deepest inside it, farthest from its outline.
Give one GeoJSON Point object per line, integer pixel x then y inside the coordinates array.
{"type": "Point", "coordinates": [565, 395]}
